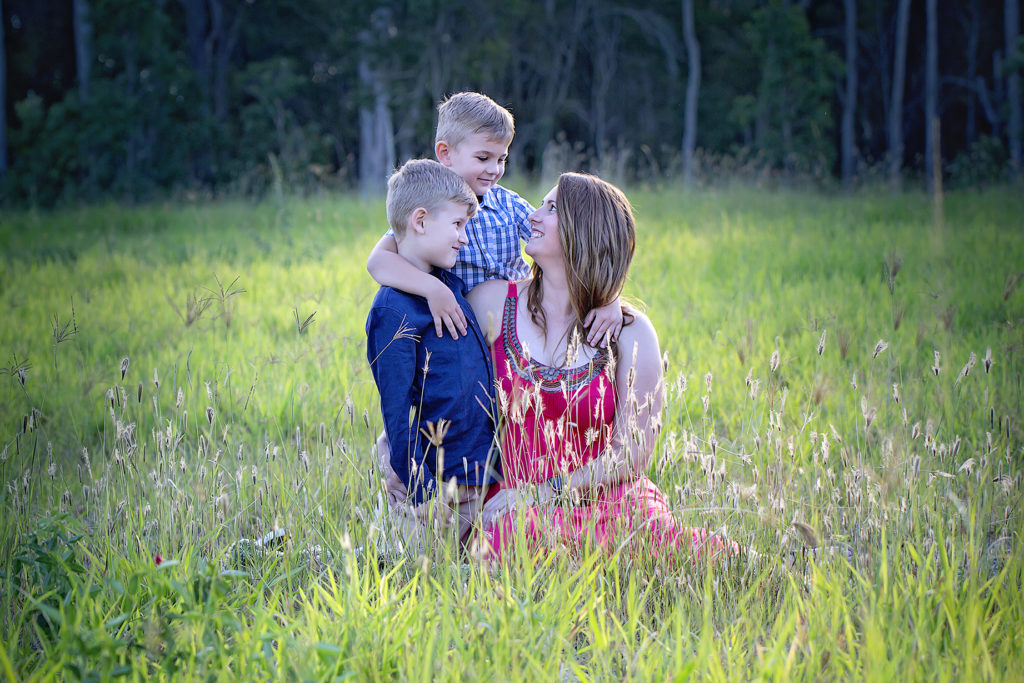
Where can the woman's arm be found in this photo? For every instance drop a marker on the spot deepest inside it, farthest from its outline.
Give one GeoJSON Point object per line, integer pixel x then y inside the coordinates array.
{"type": "Point", "coordinates": [640, 396]}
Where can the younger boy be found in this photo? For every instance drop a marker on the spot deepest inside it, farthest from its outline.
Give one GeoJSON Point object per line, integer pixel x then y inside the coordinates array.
{"type": "Point", "coordinates": [472, 138]}
{"type": "Point", "coordinates": [435, 392]}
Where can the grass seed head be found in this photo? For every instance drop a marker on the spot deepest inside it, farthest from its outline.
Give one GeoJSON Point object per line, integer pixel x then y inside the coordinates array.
{"type": "Point", "coordinates": [879, 347]}
{"type": "Point", "coordinates": [988, 359]}
{"type": "Point", "coordinates": [936, 367]}
{"type": "Point", "coordinates": [773, 363]}
{"type": "Point", "coordinates": [966, 369]}
{"type": "Point", "coordinates": [821, 341]}
{"type": "Point", "coordinates": [124, 367]}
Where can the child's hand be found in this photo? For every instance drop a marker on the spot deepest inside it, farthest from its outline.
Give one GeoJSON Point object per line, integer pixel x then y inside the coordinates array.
{"type": "Point", "coordinates": [433, 512]}
{"type": "Point", "coordinates": [393, 486]}
{"type": "Point", "coordinates": [604, 323]}
{"type": "Point", "coordinates": [446, 312]}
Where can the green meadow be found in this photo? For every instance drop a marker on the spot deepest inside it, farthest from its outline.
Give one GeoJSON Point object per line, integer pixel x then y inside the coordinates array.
{"type": "Point", "coordinates": [844, 400]}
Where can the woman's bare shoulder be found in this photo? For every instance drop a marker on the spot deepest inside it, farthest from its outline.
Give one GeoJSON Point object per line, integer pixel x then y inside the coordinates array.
{"type": "Point", "coordinates": [639, 329]}
{"type": "Point", "coordinates": [640, 335]}
{"type": "Point", "coordinates": [487, 300]}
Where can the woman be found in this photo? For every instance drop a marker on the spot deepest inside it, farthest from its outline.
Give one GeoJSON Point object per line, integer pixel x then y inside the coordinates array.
{"type": "Point", "coordinates": [578, 424]}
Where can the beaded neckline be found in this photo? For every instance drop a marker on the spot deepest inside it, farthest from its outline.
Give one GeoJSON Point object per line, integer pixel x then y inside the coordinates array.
{"type": "Point", "coordinates": [549, 378]}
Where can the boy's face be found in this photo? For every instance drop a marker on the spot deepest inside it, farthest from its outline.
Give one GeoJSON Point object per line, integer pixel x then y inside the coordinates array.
{"type": "Point", "coordinates": [433, 238]}
{"type": "Point", "coordinates": [479, 159]}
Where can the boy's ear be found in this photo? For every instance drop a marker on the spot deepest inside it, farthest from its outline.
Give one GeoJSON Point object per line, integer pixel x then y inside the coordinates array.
{"type": "Point", "coordinates": [416, 220]}
{"type": "Point", "coordinates": [443, 152]}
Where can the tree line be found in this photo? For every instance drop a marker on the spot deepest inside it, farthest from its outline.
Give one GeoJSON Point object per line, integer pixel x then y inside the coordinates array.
{"type": "Point", "coordinates": [134, 100]}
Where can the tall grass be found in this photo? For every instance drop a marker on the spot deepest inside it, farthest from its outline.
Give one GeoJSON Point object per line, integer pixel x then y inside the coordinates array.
{"type": "Point", "coordinates": [166, 394]}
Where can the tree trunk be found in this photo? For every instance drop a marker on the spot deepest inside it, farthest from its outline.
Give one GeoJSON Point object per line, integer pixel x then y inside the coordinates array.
{"type": "Point", "coordinates": [3, 97]}
{"type": "Point", "coordinates": [850, 100]}
{"type": "Point", "coordinates": [197, 22]}
{"type": "Point", "coordinates": [83, 46]}
{"type": "Point", "coordinates": [931, 87]}
{"type": "Point", "coordinates": [692, 92]}
{"type": "Point", "coordinates": [899, 74]}
{"type": "Point", "coordinates": [1011, 26]}
{"type": "Point", "coordinates": [971, 123]}
{"type": "Point", "coordinates": [556, 73]}
{"type": "Point", "coordinates": [223, 38]}
{"type": "Point", "coordinates": [376, 134]}
{"type": "Point", "coordinates": [604, 68]}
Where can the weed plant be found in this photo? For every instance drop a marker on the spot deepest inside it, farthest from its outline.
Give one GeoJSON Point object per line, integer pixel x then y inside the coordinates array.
{"type": "Point", "coordinates": [843, 400]}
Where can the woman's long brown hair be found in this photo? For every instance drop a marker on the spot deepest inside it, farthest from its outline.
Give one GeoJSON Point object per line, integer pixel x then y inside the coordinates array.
{"type": "Point", "coordinates": [597, 234]}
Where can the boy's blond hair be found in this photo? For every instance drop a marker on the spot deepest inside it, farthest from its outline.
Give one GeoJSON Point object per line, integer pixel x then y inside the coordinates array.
{"type": "Point", "coordinates": [424, 183]}
{"type": "Point", "coordinates": [466, 113]}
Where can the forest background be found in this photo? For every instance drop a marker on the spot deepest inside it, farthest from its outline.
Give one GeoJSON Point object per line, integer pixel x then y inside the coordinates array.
{"type": "Point", "coordinates": [190, 188]}
{"type": "Point", "coordinates": [140, 100]}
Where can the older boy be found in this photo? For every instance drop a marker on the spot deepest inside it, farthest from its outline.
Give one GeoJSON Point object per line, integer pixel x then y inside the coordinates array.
{"type": "Point", "coordinates": [472, 138]}
{"type": "Point", "coordinates": [435, 392]}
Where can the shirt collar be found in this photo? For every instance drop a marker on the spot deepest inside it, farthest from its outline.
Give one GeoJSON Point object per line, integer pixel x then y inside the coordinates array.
{"type": "Point", "coordinates": [489, 200]}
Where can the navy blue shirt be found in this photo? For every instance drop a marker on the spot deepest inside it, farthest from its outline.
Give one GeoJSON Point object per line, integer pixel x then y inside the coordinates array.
{"type": "Point", "coordinates": [451, 389]}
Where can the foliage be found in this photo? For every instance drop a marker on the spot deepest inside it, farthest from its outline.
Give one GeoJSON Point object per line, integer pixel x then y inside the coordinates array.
{"type": "Point", "coordinates": [789, 112]}
{"type": "Point", "coordinates": [136, 463]}
{"type": "Point", "coordinates": [981, 164]}
{"type": "Point", "coordinates": [597, 84]}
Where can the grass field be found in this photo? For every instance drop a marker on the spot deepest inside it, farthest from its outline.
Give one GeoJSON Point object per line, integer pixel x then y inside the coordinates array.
{"type": "Point", "coordinates": [163, 394]}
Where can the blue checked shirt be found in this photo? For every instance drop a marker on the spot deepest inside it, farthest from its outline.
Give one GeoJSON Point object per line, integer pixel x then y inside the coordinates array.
{"type": "Point", "coordinates": [495, 235]}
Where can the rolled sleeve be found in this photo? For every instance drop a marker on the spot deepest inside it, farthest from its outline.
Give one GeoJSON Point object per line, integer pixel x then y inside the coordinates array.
{"type": "Point", "coordinates": [522, 211]}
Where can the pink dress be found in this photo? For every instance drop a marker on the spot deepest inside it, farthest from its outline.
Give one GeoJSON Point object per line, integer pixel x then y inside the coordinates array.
{"type": "Point", "coordinates": [554, 420]}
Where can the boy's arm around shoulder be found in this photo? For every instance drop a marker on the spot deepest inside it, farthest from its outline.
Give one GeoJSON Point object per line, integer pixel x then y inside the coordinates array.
{"type": "Point", "coordinates": [604, 323]}
{"type": "Point", "coordinates": [522, 210]}
{"type": "Point", "coordinates": [387, 267]}
{"type": "Point", "coordinates": [391, 351]}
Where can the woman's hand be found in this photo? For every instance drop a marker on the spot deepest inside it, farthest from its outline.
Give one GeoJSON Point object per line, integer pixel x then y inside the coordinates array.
{"type": "Point", "coordinates": [510, 499]}
{"type": "Point", "coordinates": [446, 311]}
{"type": "Point", "coordinates": [499, 505]}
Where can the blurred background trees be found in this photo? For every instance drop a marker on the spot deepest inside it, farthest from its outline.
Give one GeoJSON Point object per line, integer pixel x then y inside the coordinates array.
{"type": "Point", "coordinates": [136, 100]}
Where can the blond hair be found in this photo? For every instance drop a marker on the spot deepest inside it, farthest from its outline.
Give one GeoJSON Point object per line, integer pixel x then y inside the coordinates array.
{"type": "Point", "coordinates": [424, 183]}
{"type": "Point", "coordinates": [597, 234]}
{"type": "Point", "coordinates": [467, 113]}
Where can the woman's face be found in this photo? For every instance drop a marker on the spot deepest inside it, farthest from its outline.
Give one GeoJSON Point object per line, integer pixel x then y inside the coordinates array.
{"type": "Point", "coordinates": [544, 229]}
